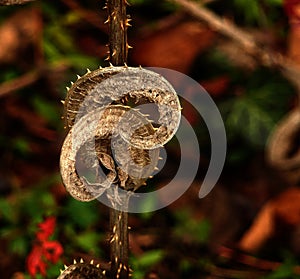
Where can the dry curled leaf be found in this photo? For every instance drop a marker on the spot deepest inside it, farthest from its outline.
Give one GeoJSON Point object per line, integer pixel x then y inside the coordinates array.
{"type": "Point", "coordinates": [82, 270]}
{"type": "Point", "coordinates": [106, 130]}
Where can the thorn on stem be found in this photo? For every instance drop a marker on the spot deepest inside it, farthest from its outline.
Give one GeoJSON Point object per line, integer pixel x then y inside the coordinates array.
{"type": "Point", "coordinates": [127, 22]}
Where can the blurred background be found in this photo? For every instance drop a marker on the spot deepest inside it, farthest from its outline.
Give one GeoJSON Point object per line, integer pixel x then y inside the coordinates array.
{"type": "Point", "coordinates": [247, 227]}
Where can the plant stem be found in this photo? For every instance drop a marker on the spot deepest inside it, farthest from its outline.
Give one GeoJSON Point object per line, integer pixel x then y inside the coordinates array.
{"type": "Point", "coordinates": [119, 248]}
{"type": "Point", "coordinates": [118, 23]}
{"type": "Point", "coordinates": [118, 47]}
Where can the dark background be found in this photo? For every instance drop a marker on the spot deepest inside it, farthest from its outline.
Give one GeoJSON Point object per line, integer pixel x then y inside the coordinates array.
{"type": "Point", "coordinates": [44, 44]}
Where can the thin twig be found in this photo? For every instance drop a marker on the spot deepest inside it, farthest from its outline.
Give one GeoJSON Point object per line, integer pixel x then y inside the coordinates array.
{"type": "Point", "coordinates": [118, 47]}
{"type": "Point", "coordinates": [264, 55]}
{"type": "Point", "coordinates": [19, 82]}
{"type": "Point", "coordinates": [31, 77]}
{"type": "Point", "coordinates": [251, 261]}
{"type": "Point", "coordinates": [219, 272]}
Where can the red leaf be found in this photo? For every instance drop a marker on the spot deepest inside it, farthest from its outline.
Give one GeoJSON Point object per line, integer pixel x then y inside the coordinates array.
{"type": "Point", "coordinates": [35, 264]}
{"type": "Point", "coordinates": [46, 229]}
{"type": "Point", "coordinates": [44, 250]}
{"type": "Point", "coordinates": [52, 250]}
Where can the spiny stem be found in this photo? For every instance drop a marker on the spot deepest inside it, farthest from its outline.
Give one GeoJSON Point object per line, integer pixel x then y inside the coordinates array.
{"type": "Point", "coordinates": [119, 247]}
{"type": "Point", "coordinates": [118, 48]}
{"type": "Point", "coordinates": [118, 23]}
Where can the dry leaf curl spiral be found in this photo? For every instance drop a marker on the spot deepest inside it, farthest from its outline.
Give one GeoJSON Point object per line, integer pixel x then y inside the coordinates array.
{"type": "Point", "coordinates": [109, 132]}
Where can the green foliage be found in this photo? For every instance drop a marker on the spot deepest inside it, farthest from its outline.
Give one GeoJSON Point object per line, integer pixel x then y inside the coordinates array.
{"type": "Point", "coordinates": [21, 146]}
{"type": "Point", "coordinates": [262, 13]}
{"type": "Point", "coordinates": [251, 10]}
{"type": "Point", "coordinates": [19, 245]}
{"type": "Point", "coordinates": [274, 2]}
{"type": "Point", "coordinates": [89, 242]}
{"type": "Point", "coordinates": [257, 11]}
{"type": "Point", "coordinates": [48, 110]}
{"type": "Point", "coordinates": [251, 106]}
{"type": "Point", "coordinates": [185, 265]}
{"type": "Point", "coordinates": [190, 229]}
{"type": "Point", "coordinates": [80, 227]}
{"type": "Point", "coordinates": [9, 74]}
{"type": "Point", "coordinates": [139, 2]}
{"type": "Point", "coordinates": [7, 212]}
{"type": "Point", "coordinates": [36, 204]}
{"type": "Point", "coordinates": [143, 263]}
{"type": "Point", "coordinates": [59, 43]}
{"type": "Point", "coordinates": [285, 270]}
{"type": "Point", "coordinates": [82, 215]}
{"type": "Point", "coordinates": [148, 203]}
{"type": "Point", "coordinates": [54, 269]}
{"type": "Point", "coordinates": [250, 120]}
{"type": "Point", "coordinates": [20, 216]}
{"type": "Point", "coordinates": [261, 104]}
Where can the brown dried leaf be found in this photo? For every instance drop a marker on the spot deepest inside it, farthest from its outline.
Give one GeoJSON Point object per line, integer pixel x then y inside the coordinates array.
{"type": "Point", "coordinates": [294, 34]}
{"type": "Point", "coordinates": [140, 241]}
{"type": "Point", "coordinates": [18, 32]}
{"type": "Point", "coordinates": [216, 86]}
{"type": "Point", "coordinates": [287, 207]}
{"type": "Point", "coordinates": [283, 210]}
{"type": "Point", "coordinates": [261, 230]}
{"type": "Point", "coordinates": [174, 48]}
